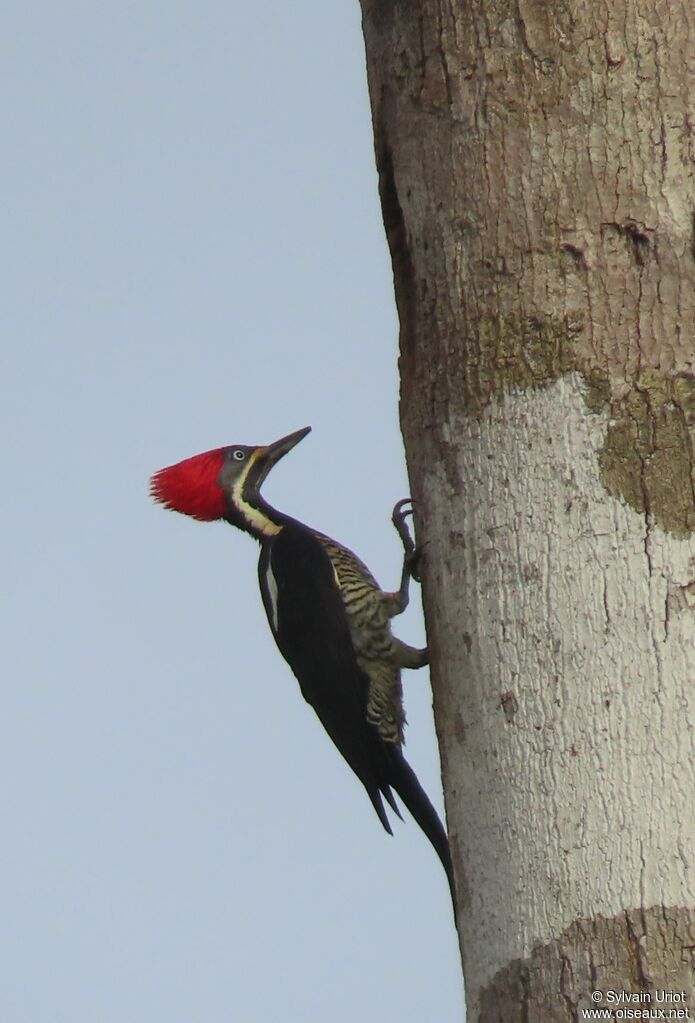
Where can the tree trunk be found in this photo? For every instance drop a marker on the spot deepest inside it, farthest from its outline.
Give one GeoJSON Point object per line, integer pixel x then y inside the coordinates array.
{"type": "Point", "coordinates": [537, 182]}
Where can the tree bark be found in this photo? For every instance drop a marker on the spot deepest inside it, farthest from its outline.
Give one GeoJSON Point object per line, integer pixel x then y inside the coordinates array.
{"type": "Point", "coordinates": [538, 190]}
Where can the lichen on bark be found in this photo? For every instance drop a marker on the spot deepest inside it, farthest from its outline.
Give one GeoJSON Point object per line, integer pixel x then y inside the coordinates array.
{"type": "Point", "coordinates": [647, 457]}
{"type": "Point", "coordinates": [515, 351]}
{"type": "Point", "coordinates": [655, 947]}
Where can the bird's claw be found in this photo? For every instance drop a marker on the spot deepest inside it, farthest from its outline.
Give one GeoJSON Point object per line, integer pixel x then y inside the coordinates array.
{"type": "Point", "coordinates": [402, 511]}
{"type": "Point", "coordinates": [398, 512]}
{"type": "Point", "coordinates": [413, 560]}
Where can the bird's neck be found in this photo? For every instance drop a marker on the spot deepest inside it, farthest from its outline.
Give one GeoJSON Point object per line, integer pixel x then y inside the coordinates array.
{"type": "Point", "coordinates": [256, 516]}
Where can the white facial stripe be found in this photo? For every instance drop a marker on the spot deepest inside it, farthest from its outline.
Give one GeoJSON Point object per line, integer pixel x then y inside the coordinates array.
{"type": "Point", "coordinates": [272, 587]}
{"type": "Point", "coordinates": [255, 518]}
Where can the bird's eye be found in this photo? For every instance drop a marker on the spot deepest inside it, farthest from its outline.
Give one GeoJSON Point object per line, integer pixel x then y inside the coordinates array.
{"type": "Point", "coordinates": [238, 455]}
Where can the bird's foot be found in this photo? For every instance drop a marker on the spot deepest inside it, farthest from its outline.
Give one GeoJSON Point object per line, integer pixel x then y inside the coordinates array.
{"type": "Point", "coordinates": [401, 512]}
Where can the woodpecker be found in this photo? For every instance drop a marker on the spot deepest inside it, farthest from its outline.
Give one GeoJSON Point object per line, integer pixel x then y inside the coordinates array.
{"type": "Point", "coordinates": [329, 618]}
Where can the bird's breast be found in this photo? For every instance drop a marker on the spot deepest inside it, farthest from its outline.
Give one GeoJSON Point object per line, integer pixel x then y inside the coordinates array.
{"type": "Point", "coordinates": [370, 631]}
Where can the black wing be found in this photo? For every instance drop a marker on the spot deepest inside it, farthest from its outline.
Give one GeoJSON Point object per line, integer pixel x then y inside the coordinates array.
{"type": "Point", "coordinates": [306, 614]}
{"type": "Point", "coordinates": [307, 617]}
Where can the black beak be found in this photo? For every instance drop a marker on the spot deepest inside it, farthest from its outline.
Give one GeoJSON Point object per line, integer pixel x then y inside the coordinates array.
{"type": "Point", "coordinates": [274, 452]}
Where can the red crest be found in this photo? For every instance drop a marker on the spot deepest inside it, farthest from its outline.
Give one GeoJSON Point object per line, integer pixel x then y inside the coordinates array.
{"type": "Point", "coordinates": [191, 486]}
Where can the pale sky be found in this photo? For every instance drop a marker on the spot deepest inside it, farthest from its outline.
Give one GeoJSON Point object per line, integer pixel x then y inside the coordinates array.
{"type": "Point", "coordinates": [193, 256]}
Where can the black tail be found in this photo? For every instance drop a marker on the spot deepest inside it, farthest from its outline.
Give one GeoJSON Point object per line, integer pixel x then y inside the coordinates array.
{"type": "Point", "coordinates": [375, 796]}
{"type": "Point", "coordinates": [404, 780]}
